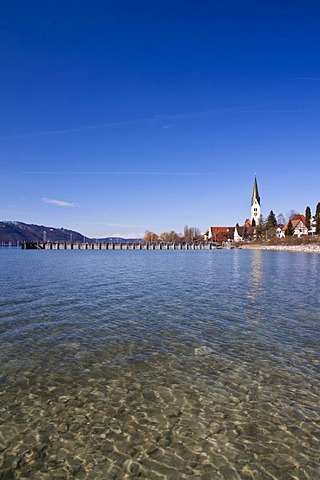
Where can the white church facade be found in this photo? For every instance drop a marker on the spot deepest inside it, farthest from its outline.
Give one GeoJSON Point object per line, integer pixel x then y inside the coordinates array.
{"type": "Point", "coordinates": [255, 205]}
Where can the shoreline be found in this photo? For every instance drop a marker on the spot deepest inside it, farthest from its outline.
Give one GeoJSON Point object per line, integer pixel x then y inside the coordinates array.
{"type": "Point", "coordinates": [307, 248]}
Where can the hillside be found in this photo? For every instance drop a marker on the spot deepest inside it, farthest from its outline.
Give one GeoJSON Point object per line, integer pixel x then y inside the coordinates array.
{"type": "Point", "coordinates": [23, 232]}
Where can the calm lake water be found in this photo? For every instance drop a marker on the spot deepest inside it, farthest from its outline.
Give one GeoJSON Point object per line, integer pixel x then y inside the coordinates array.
{"type": "Point", "coordinates": [159, 365]}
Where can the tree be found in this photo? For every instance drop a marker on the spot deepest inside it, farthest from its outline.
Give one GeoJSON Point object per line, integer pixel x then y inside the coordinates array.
{"type": "Point", "coordinates": [271, 224]}
{"type": "Point", "coordinates": [191, 234]}
{"type": "Point", "coordinates": [308, 217]}
{"type": "Point", "coordinates": [187, 234]}
{"type": "Point", "coordinates": [271, 221]}
{"type": "Point", "coordinates": [291, 214]}
{"type": "Point", "coordinates": [150, 237]}
{"type": "Point", "coordinates": [289, 230]}
{"type": "Point", "coordinates": [317, 219]}
{"type": "Point", "coordinates": [261, 227]}
{"type": "Point", "coordinates": [170, 236]}
{"type": "Point", "coordinates": [281, 219]}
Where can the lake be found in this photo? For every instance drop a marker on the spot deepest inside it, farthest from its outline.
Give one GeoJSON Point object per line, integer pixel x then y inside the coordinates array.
{"type": "Point", "coordinates": [159, 365]}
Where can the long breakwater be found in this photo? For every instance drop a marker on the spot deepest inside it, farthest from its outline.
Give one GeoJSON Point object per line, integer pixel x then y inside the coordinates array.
{"type": "Point", "coordinates": [122, 246]}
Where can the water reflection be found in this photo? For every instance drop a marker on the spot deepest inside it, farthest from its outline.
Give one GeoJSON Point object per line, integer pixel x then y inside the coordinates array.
{"type": "Point", "coordinates": [256, 274]}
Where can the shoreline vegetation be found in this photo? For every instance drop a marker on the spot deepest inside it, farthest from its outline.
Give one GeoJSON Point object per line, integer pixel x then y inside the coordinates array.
{"type": "Point", "coordinates": [298, 245]}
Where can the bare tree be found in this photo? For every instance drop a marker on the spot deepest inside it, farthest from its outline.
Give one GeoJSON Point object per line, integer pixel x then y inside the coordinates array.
{"type": "Point", "coordinates": [291, 214]}
{"type": "Point", "coordinates": [171, 236]}
{"type": "Point", "coordinates": [150, 237]}
{"type": "Point", "coordinates": [186, 233]}
{"type": "Point", "coordinates": [281, 219]}
{"type": "Point", "coordinates": [191, 234]}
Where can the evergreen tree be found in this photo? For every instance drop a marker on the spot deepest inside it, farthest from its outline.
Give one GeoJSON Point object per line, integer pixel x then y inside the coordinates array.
{"type": "Point", "coordinates": [271, 221]}
{"type": "Point", "coordinates": [271, 225]}
{"type": "Point", "coordinates": [289, 229]}
{"type": "Point", "coordinates": [308, 217]}
{"type": "Point", "coordinates": [317, 219]}
{"type": "Point", "coordinates": [261, 227]}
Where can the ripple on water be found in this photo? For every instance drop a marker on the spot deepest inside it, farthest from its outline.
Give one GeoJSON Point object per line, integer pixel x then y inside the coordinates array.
{"type": "Point", "coordinates": [177, 378]}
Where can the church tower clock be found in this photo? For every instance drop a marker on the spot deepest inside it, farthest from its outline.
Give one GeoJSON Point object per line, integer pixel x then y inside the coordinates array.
{"type": "Point", "coordinates": [255, 204]}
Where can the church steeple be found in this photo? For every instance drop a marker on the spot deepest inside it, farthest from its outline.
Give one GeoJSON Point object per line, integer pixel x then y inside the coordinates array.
{"type": "Point", "coordinates": [255, 193]}
{"type": "Point", "coordinates": [255, 204]}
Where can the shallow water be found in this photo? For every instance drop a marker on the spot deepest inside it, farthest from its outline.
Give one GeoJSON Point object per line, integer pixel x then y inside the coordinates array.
{"type": "Point", "coordinates": [159, 365]}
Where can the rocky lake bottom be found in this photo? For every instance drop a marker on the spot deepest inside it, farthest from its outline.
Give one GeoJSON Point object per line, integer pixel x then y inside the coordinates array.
{"type": "Point", "coordinates": [167, 381]}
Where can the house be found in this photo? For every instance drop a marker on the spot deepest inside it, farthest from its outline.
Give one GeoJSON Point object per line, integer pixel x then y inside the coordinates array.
{"type": "Point", "coordinates": [246, 232]}
{"type": "Point", "coordinates": [313, 225]}
{"type": "Point", "coordinates": [221, 234]}
{"type": "Point", "coordinates": [298, 226]}
{"type": "Point", "coordinates": [238, 233]}
{"type": "Point", "coordinates": [230, 234]}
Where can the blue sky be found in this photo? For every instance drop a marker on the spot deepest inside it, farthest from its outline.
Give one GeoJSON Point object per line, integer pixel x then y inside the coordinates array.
{"type": "Point", "coordinates": [119, 116]}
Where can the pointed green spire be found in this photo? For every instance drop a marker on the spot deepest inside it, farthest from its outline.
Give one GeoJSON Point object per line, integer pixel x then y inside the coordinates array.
{"type": "Point", "coordinates": [255, 193]}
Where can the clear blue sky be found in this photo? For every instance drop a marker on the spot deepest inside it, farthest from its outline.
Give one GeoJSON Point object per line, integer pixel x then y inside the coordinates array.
{"type": "Point", "coordinates": [119, 116]}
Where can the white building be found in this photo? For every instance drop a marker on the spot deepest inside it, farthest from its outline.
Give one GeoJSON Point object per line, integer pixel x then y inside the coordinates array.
{"type": "Point", "coordinates": [255, 205]}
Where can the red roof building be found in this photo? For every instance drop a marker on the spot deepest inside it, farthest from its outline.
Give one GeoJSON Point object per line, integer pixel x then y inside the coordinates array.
{"type": "Point", "coordinates": [298, 225]}
{"type": "Point", "coordinates": [221, 234]}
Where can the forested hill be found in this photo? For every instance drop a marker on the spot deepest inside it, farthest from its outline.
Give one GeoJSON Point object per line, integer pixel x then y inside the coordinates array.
{"type": "Point", "coordinates": [23, 232]}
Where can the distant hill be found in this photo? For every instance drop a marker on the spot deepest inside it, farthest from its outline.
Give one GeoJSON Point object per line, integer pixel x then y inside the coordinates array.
{"type": "Point", "coordinates": [23, 232]}
{"type": "Point", "coordinates": [117, 239]}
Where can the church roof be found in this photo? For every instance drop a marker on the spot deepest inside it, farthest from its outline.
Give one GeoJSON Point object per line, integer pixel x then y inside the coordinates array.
{"type": "Point", "coordinates": [255, 193]}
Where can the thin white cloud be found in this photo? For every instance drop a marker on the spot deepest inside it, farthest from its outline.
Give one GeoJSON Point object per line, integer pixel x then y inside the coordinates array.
{"type": "Point", "coordinates": [164, 121]}
{"type": "Point", "coordinates": [119, 173]}
{"type": "Point", "coordinates": [59, 203]}
{"type": "Point", "coordinates": [156, 119]}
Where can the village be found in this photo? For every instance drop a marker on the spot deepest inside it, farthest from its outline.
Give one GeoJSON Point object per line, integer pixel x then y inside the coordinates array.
{"type": "Point", "coordinates": [254, 229]}
{"type": "Point", "coordinates": [297, 225]}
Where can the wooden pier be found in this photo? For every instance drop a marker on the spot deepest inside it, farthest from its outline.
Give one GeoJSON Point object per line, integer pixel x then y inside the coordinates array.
{"type": "Point", "coordinates": [120, 246]}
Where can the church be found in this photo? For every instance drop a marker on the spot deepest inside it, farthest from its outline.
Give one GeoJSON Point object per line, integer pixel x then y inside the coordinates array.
{"type": "Point", "coordinates": [239, 233]}
{"type": "Point", "coordinates": [255, 204]}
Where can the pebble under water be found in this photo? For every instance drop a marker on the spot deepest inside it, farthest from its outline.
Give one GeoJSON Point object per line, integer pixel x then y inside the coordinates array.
{"type": "Point", "coordinates": [159, 365]}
